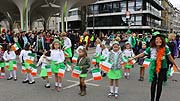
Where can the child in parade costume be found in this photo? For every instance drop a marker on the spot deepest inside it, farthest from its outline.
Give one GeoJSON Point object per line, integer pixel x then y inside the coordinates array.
{"type": "Point", "coordinates": [127, 53]}
{"type": "Point", "coordinates": [67, 49]}
{"type": "Point", "coordinates": [23, 57]}
{"type": "Point", "coordinates": [98, 46]}
{"type": "Point", "coordinates": [171, 46]}
{"type": "Point", "coordinates": [2, 64]}
{"type": "Point", "coordinates": [97, 52]}
{"type": "Point", "coordinates": [133, 41]}
{"type": "Point", "coordinates": [105, 54]}
{"type": "Point", "coordinates": [115, 73]}
{"type": "Point", "coordinates": [57, 58]}
{"type": "Point", "coordinates": [84, 63]}
{"type": "Point", "coordinates": [158, 52]}
{"type": "Point", "coordinates": [140, 62]}
{"type": "Point", "coordinates": [9, 56]}
{"type": "Point", "coordinates": [44, 62]}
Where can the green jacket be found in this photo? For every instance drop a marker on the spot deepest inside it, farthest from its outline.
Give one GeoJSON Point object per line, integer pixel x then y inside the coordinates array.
{"type": "Point", "coordinates": [85, 63]}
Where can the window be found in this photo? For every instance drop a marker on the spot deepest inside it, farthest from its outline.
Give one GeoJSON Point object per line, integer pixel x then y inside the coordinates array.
{"type": "Point", "coordinates": [131, 5]}
{"type": "Point", "coordinates": [123, 6]}
{"type": "Point", "coordinates": [138, 5]}
{"type": "Point", "coordinates": [116, 7]}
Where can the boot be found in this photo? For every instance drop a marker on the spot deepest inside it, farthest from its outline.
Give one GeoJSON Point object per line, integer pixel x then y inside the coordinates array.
{"type": "Point", "coordinates": [83, 93]}
{"type": "Point", "coordinates": [80, 86]}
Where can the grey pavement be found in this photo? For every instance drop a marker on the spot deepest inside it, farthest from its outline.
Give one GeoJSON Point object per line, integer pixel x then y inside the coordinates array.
{"type": "Point", "coordinates": [130, 90]}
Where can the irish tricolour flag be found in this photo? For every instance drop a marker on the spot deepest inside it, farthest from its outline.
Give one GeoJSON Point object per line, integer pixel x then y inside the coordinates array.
{"type": "Point", "coordinates": [93, 61]}
{"type": "Point", "coordinates": [146, 63]}
{"type": "Point", "coordinates": [74, 59]}
{"type": "Point", "coordinates": [49, 70]}
{"type": "Point", "coordinates": [15, 47]}
{"type": "Point", "coordinates": [76, 72]}
{"type": "Point", "coordinates": [132, 62]}
{"type": "Point", "coordinates": [105, 66]}
{"type": "Point", "coordinates": [96, 73]}
{"type": "Point", "coordinates": [31, 58]}
{"type": "Point", "coordinates": [24, 68]}
{"type": "Point", "coordinates": [173, 70]}
{"type": "Point", "coordinates": [61, 70]}
{"type": "Point", "coordinates": [12, 65]}
{"type": "Point", "coordinates": [33, 70]}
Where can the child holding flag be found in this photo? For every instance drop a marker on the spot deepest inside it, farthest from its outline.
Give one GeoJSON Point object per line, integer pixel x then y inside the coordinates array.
{"type": "Point", "coordinates": [2, 64]}
{"type": "Point", "coordinates": [57, 58]}
{"type": "Point", "coordinates": [24, 57]}
{"type": "Point", "coordinates": [115, 73]}
{"type": "Point", "coordinates": [84, 63]}
{"type": "Point", "coordinates": [67, 50]}
{"type": "Point", "coordinates": [9, 57]}
{"type": "Point", "coordinates": [105, 54]}
{"type": "Point", "coordinates": [96, 58]}
{"type": "Point", "coordinates": [127, 53]}
{"type": "Point", "coordinates": [140, 62]}
{"type": "Point", "coordinates": [45, 67]}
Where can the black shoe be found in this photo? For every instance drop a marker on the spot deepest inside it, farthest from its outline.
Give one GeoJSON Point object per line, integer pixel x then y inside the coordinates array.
{"type": "Point", "coordinates": [31, 82]}
{"type": "Point", "coordinates": [141, 79]}
{"type": "Point", "coordinates": [47, 86]}
{"type": "Point", "coordinates": [15, 79]}
{"type": "Point", "coordinates": [10, 78]}
{"type": "Point", "coordinates": [25, 81]}
{"type": "Point", "coordinates": [104, 75]}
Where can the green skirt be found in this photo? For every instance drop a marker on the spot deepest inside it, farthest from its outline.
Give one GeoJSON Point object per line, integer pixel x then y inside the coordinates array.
{"type": "Point", "coordinates": [2, 64]}
{"type": "Point", "coordinates": [127, 66]}
{"type": "Point", "coordinates": [55, 68]}
{"type": "Point", "coordinates": [43, 72]}
{"type": "Point", "coordinates": [115, 74]}
{"type": "Point", "coordinates": [83, 75]}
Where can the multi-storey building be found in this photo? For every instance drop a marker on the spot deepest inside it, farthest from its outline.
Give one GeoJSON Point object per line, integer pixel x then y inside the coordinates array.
{"type": "Point", "coordinates": [121, 15]}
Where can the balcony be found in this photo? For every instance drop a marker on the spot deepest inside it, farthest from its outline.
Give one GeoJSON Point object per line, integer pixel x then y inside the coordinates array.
{"type": "Point", "coordinates": [156, 4]}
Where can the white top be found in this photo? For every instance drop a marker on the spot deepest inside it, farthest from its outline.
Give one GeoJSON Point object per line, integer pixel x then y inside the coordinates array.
{"type": "Point", "coordinates": [105, 52]}
{"type": "Point", "coordinates": [10, 56]}
{"type": "Point", "coordinates": [128, 53]}
{"type": "Point", "coordinates": [67, 43]}
{"type": "Point", "coordinates": [57, 55]}
{"type": "Point", "coordinates": [98, 49]}
{"type": "Point", "coordinates": [24, 55]}
{"type": "Point", "coordinates": [43, 60]}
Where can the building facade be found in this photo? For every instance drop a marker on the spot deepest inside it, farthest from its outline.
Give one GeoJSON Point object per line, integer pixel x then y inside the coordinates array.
{"type": "Point", "coordinates": [121, 15]}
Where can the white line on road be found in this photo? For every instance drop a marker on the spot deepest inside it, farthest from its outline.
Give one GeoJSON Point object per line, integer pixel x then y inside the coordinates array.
{"type": "Point", "coordinates": [77, 83]}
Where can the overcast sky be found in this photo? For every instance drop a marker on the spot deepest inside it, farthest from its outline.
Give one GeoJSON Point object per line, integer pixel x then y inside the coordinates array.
{"type": "Point", "coordinates": [176, 3]}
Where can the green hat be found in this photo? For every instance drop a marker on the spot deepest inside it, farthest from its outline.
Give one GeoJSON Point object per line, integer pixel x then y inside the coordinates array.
{"type": "Point", "coordinates": [127, 42]}
{"type": "Point", "coordinates": [144, 42]}
{"type": "Point", "coordinates": [156, 33]}
{"type": "Point", "coordinates": [0, 46]}
{"type": "Point", "coordinates": [56, 41]}
{"type": "Point", "coordinates": [115, 42]}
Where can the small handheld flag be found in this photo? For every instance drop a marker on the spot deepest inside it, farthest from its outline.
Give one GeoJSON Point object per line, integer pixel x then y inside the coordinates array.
{"type": "Point", "coordinates": [76, 72]}
{"type": "Point", "coordinates": [96, 73]}
{"type": "Point", "coordinates": [105, 66]}
{"type": "Point", "coordinates": [61, 70]}
{"type": "Point", "coordinates": [49, 70]}
{"type": "Point", "coordinates": [15, 47]}
{"type": "Point", "coordinates": [74, 59]}
{"type": "Point", "coordinates": [146, 63]}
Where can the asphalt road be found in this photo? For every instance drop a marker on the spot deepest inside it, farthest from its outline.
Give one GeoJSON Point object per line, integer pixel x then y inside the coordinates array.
{"type": "Point", "coordinates": [130, 90]}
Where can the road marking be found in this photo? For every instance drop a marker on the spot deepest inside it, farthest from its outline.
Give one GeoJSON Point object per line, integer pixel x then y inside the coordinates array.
{"type": "Point", "coordinates": [77, 83]}
{"type": "Point", "coordinates": [37, 77]}
{"type": "Point", "coordinates": [177, 72]}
